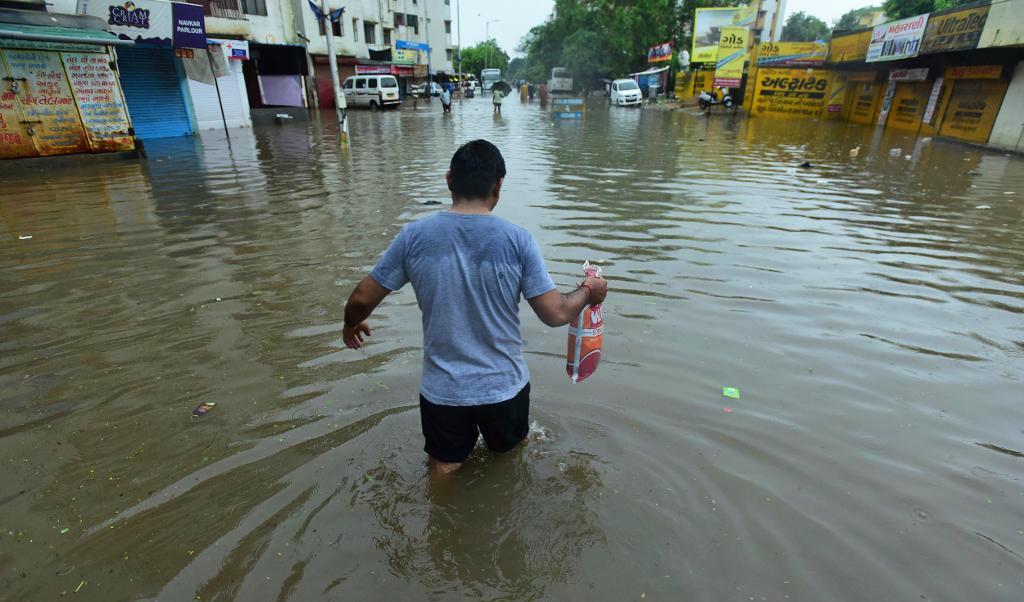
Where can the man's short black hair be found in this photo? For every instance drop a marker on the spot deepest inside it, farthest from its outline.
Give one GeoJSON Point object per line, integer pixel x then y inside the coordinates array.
{"type": "Point", "coordinates": [476, 168]}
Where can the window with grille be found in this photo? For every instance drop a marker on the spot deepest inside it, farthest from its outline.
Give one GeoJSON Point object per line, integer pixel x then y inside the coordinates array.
{"type": "Point", "coordinates": [255, 7]}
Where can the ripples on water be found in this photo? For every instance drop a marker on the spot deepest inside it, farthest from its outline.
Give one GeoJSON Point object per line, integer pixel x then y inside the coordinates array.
{"type": "Point", "coordinates": [869, 309]}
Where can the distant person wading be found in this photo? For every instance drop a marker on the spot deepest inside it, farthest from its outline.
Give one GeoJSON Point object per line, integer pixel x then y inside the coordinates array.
{"type": "Point", "coordinates": [469, 269]}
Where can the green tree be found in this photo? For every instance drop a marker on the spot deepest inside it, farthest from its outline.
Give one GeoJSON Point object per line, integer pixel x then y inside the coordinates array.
{"type": "Point", "coordinates": [515, 68]}
{"type": "Point", "coordinates": [902, 9]}
{"type": "Point", "coordinates": [850, 20]}
{"type": "Point", "coordinates": [801, 27]}
{"type": "Point", "coordinates": [483, 55]}
{"type": "Point", "coordinates": [584, 56]}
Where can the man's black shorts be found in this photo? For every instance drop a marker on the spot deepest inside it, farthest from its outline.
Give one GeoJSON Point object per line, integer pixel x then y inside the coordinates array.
{"type": "Point", "coordinates": [451, 431]}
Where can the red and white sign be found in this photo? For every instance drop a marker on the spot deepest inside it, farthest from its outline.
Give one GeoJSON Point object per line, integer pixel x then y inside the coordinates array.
{"type": "Point", "coordinates": [909, 75]}
{"type": "Point", "coordinates": [897, 39]}
{"type": "Point", "coordinates": [376, 70]}
{"type": "Point", "coordinates": [234, 49]}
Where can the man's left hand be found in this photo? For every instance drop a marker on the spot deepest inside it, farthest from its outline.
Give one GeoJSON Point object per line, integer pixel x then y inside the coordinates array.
{"type": "Point", "coordinates": [353, 335]}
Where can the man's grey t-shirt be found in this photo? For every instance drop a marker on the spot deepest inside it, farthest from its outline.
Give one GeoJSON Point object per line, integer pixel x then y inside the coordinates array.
{"type": "Point", "coordinates": [468, 273]}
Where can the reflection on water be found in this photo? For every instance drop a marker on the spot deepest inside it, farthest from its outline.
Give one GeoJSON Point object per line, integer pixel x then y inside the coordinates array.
{"type": "Point", "coordinates": [868, 308]}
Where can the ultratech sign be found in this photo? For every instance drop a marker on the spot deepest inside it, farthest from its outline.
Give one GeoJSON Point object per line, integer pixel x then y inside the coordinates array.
{"type": "Point", "coordinates": [960, 30]}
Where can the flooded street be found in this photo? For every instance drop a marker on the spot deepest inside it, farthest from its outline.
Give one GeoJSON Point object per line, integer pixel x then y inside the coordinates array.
{"type": "Point", "coordinates": [870, 309]}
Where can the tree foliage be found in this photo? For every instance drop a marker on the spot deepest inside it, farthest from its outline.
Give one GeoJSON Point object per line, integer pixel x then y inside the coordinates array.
{"type": "Point", "coordinates": [901, 9]}
{"type": "Point", "coordinates": [515, 68]}
{"type": "Point", "coordinates": [483, 55]}
{"type": "Point", "coordinates": [851, 19]}
{"type": "Point", "coordinates": [605, 38]}
{"type": "Point", "coordinates": [801, 27]}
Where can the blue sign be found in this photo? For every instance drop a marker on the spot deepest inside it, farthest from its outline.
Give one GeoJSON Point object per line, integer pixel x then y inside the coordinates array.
{"type": "Point", "coordinates": [412, 45]}
{"type": "Point", "coordinates": [570, 115]}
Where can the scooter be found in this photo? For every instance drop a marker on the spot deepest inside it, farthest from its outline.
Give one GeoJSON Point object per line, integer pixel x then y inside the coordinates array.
{"type": "Point", "coordinates": [706, 100]}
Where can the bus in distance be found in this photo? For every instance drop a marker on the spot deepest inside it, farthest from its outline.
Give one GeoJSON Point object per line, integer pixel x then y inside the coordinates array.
{"type": "Point", "coordinates": [489, 76]}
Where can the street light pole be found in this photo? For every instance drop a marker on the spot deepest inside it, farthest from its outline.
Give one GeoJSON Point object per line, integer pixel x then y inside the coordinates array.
{"type": "Point", "coordinates": [340, 106]}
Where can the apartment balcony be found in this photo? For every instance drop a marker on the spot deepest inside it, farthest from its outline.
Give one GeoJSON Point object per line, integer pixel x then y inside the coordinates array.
{"type": "Point", "coordinates": [225, 17]}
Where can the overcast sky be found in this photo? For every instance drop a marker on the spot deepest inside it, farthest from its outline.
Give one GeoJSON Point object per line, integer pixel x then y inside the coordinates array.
{"type": "Point", "coordinates": [516, 17]}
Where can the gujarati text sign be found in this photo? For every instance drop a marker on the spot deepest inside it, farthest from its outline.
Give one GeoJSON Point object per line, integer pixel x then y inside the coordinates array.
{"type": "Point", "coordinates": [46, 103]}
{"type": "Point", "coordinates": [791, 92]}
{"type": "Point", "coordinates": [99, 101]}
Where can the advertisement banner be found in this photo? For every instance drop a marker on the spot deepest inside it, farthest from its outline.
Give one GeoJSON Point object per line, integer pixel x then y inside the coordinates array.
{"type": "Point", "coordinates": [792, 54]}
{"type": "Point", "coordinates": [791, 92]}
{"type": "Point", "coordinates": [404, 56]}
{"type": "Point", "coordinates": [659, 53]}
{"type": "Point", "coordinates": [933, 102]}
{"type": "Point", "coordinates": [972, 109]}
{"type": "Point", "coordinates": [42, 93]}
{"type": "Point", "coordinates": [151, 21]}
{"type": "Point", "coordinates": [954, 31]}
{"type": "Point", "coordinates": [897, 39]}
{"type": "Point", "coordinates": [99, 101]}
{"type": "Point", "coordinates": [707, 29]}
{"type": "Point", "coordinates": [732, 54]}
{"type": "Point", "coordinates": [375, 70]}
{"type": "Point", "coordinates": [836, 96]}
{"type": "Point", "coordinates": [849, 48]}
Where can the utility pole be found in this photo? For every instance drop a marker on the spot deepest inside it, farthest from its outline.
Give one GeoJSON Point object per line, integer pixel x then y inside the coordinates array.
{"type": "Point", "coordinates": [487, 34]}
{"type": "Point", "coordinates": [340, 106]}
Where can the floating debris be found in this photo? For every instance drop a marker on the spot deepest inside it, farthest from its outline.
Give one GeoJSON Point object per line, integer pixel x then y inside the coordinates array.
{"type": "Point", "coordinates": [895, 152]}
{"type": "Point", "coordinates": [24, 236]}
{"type": "Point", "coordinates": [732, 392]}
{"type": "Point", "coordinates": [64, 530]}
{"type": "Point", "coordinates": [806, 165]}
{"type": "Point", "coordinates": [203, 408]}
{"type": "Point", "coordinates": [728, 410]}
{"type": "Point", "coordinates": [983, 207]}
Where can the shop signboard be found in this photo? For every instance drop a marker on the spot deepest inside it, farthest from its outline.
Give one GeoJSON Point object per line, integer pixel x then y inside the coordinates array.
{"type": "Point", "coordinates": [659, 53]}
{"type": "Point", "coordinates": [732, 54]}
{"type": "Point", "coordinates": [897, 39]}
{"type": "Point", "coordinates": [237, 50]}
{"type": "Point", "coordinates": [792, 54]}
{"type": "Point", "coordinates": [975, 72]}
{"type": "Point", "coordinates": [707, 29]}
{"type": "Point", "coordinates": [404, 56]}
{"type": "Point", "coordinates": [933, 101]}
{"type": "Point", "coordinates": [99, 101]}
{"type": "Point", "coordinates": [791, 92]}
{"type": "Point", "coordinates": [151, 21]}
{"type": "Point", "coordinates": [909, 75]}
{"type": "Point", "coordinates": [373, 69]}
{"type": "Point", "coordinates": [849, 48]}
{"type": "Point", "coordinates": [954, 31]}
{"type": "Point", "coordinates": [45, 102]}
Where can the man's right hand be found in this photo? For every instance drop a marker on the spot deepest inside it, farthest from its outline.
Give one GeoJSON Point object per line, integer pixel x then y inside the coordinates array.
{"type": "Point", "coordinates": [598, 290]}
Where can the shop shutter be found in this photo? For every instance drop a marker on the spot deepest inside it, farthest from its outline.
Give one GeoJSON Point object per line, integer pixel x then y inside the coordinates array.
{"type": "Point", "coordinates": [232, 92]}
{"type": "Point", "coordinates": [153, 92]}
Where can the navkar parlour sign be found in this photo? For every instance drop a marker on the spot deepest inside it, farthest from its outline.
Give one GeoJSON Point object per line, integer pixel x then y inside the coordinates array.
{"type": "Point", "coordinates": [151, 21]}
{"type": "Point", "coordinates": [897, 39]}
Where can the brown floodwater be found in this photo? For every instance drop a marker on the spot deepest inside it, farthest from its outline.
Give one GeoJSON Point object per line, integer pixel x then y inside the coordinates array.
{"type": "Point", "coordinates": [870, 309]}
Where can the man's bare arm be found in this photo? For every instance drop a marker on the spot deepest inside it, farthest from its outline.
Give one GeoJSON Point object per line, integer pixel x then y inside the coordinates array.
{"type": "Point", "coordinates": [361, 303]}
{"type": "Point", "coordinates": [558, 309]}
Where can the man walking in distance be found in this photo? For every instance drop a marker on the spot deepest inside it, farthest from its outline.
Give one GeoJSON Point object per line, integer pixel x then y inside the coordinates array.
{"type": "Point", "coordinates": [468, 269]}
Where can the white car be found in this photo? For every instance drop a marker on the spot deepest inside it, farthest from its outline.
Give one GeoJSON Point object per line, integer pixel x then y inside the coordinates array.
{"type": "Point", "coordinates": [373, 91]}
{"type": "Point", "coordinates": [626, 92]}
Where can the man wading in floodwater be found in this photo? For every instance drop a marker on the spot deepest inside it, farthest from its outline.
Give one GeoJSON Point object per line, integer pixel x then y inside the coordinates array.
{"type": "Point", "coordinates": [468, 269]}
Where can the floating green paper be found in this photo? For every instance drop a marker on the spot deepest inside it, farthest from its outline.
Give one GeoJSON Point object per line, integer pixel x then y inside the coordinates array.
{"type": "Point", "coordinates": [731, 392]}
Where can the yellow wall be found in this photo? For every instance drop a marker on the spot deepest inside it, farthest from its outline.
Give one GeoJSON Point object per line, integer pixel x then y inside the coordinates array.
{"type": "Point", "coordinates": [972, 109]}
{"type": "Point", "coordinates": [908, 105]}
{"type": "Point", "coordinates": [866, 95]}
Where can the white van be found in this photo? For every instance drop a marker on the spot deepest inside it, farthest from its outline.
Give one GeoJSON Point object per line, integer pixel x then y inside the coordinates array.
{"type": "Point", "coordinates": [373, 91]}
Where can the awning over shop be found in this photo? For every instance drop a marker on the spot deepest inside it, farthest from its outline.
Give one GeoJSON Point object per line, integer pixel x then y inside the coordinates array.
{"type": "Point", "coordinates": [66, 35]}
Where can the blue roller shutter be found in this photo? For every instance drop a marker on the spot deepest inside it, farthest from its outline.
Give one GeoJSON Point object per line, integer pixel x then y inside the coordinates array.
{"type": "Point", "coordinates": [153, 92]}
